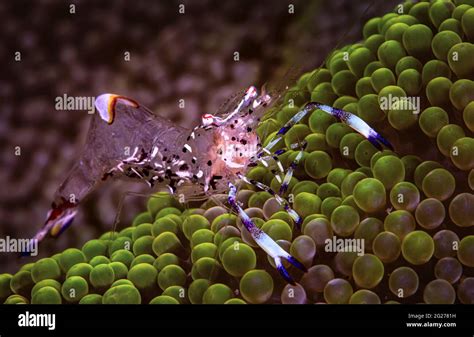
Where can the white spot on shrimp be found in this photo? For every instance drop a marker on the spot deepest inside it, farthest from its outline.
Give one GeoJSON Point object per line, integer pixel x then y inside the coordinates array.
{"type": "Point", "coordinates": [183, 174]}
{"type": "Point", "coordinates": [154, 152]}
{"type": "Point", "coordinates": [188, 147]}
{"type": "Point", "coordinates": [280, 166]}
{"type": "Point", "coordinates": [136, 172]}
{"type": "Point", "coordinates": [264, 162]}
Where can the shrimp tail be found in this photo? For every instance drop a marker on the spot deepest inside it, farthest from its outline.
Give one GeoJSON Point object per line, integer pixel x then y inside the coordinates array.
{"type": "Point", "coordinates": [59, 218]}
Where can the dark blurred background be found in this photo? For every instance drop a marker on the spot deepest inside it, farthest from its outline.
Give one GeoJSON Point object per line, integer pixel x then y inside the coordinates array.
{"type": "Point", "coordinates": [173, 56]}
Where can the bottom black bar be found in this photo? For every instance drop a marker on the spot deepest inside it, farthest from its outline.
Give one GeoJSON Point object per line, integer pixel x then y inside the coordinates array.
{"type": "Point", "coordinates": [237, 320]}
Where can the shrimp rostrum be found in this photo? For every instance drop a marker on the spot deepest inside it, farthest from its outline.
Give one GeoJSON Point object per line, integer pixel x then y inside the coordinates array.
{"type": "Point", "coordinates": [126, 140]}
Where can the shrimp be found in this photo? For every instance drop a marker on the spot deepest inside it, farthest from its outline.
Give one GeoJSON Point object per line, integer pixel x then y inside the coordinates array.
{"type": "Point", "coordinates": [127, 141]}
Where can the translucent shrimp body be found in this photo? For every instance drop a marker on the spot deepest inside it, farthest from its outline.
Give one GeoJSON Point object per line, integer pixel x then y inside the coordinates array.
{"type": "Point", "coordinates": [126, 140]}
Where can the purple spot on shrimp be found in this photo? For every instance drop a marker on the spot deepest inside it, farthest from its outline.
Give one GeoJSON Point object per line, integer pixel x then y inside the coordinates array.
{"type": "Point", "coordinates": [299, 222]}
{"type": "Point", "coordinates": [338, 112]}
{"type": "Point", "coordinates": [297, 263]}
{"type": "Point", "coordinates": [248, 224]}
{"type": "Point", "coordinates": [311, 105]}
{"type": "Point", "coordinates": [279, 152]}
{"type": "Point", "coordinates": [65, 226]}
{"type": "Point", "coordinates": [294, 164]}
{"type": "Point", "coordinates": [284, 273]}
{"type": "Point", "coordinates": [283, 130]}
{"type": "Point", "coordinates": [283, 188]}
{"type": "Point", "coordinates": [383, 141]}
{"type": "Point", "coordinates": [373, 141]}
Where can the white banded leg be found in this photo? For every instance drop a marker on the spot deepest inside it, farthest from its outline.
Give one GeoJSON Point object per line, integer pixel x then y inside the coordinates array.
{"type": "Point", "coordinates": [348, 118]}
{"type": "Point", "coordinates": [263, 240]}
{"type": "Point", "coordinates": [284, 129]}
{"type": "Point", "coordinates": [358, 124]}
{"type": "Point", "coordinates": [298, 220]}
{"type": "Point", "coordinates": [291, 168]}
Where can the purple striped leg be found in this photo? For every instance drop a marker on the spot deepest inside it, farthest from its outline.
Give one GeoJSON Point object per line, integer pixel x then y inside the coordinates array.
{"type": "Point", "coordinates": [298, 220]}
{"type": "Point", "coordinates": [263, 240]}
{"type": "Point", "coordinates": [348, 118]}
{"type": "Point", "coordinates": [293, 165]}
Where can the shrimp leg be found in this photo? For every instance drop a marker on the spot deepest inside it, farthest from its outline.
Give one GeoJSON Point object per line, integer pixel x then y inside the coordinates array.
{"type": "Point", "coordinates": [279, 199]}
{"type": "Point", "coordinates": [289, 173]}
{"type": "Point", "coordinates": [356, 123]}
{"type": "Point", "coordinates": [348, 118]}
{"type": "Point", "coordinates": [263, 240]}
